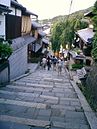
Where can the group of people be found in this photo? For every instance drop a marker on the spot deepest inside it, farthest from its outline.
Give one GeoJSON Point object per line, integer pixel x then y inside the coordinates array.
{"type": "Point", "coordinates": [52, 62]}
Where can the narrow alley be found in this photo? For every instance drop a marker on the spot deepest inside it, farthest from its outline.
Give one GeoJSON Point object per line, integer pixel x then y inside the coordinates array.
{"type": "Point", "coordinates": [42, 100]}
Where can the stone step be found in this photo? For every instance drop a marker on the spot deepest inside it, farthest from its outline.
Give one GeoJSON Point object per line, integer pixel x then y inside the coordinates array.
{"type": "Point", "coordinates": [32, 85]}
{"type": "Point", "coordinates": [58, 80]}
{"type": "Point", "coordinates": [25, 121]}
{"type": "Point", "coordinates": [44, 123]}
{"type": "Point", "coordinates": [23, 103]}
{"type": "Point", "coordinates": [25, 94]}
{"type": "Point", "coordinates": [42, 82]}
{"type": "Point", "coordinates": [28, 89]}
{"type": "Point", "coordinates": [62, 85]}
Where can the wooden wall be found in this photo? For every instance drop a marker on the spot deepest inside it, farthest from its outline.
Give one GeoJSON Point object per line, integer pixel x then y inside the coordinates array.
{"type": "Point", "coordinates": [13, 26]}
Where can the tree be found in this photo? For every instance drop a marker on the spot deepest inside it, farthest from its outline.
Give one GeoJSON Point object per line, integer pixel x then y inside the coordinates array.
{"type": "Point", "coordinates": [63, 32]}
{"type": "Point", "coordinates": [94, 43]}
{"type": "Point", "coordinates": [56, 33]}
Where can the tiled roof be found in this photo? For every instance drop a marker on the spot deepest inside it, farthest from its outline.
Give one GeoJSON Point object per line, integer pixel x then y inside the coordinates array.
{"type": "Point", "coordinates": [85, 34]}
{"type": "Point", "coordinates": [4, 9]}
{"type": "Point", "coordinates": [26, 12]}
{"type": "Point", "coordinates": [46, 41]}
{"type": "Point", "coordinates": [16, 4]}
{"type": "Point", "coordinates": [41, 33]}
{"type": "Point", "coordinates": [89, 14]}
{"type": "Point", "coordinates": [21, 41]}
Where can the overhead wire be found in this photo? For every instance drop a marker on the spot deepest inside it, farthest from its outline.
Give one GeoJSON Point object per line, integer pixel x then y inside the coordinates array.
{"type": "Point", "coordinates": [69, 11]}
{"type": "Point", "coordinates": [70, 6]}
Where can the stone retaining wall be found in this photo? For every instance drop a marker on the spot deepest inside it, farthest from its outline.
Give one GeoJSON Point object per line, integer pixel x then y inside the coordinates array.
{"type": "Point", "coordinates": [18, 62]}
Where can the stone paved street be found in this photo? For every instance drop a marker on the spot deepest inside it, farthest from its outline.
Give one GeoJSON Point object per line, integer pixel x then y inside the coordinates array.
{"type": "Point", "coordinates": [42, 100]}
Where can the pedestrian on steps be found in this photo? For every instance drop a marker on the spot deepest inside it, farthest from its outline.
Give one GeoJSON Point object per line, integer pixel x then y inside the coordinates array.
{"type": "Point", "coordinates": [48, 63]}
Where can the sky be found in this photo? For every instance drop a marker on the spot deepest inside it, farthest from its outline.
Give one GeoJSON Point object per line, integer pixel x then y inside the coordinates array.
{"type": "Point", "coordinates": [46, 9]}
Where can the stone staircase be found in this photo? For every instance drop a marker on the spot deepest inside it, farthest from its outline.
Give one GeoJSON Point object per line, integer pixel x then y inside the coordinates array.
{"type": "Point", "coordinates": [42, 100]}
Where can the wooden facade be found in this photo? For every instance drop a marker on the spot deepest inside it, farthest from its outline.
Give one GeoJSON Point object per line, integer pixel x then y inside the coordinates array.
{"type": "Point", "coordinates": [13, 26]}
{"type": "Point", "coordinates": [26, 25]}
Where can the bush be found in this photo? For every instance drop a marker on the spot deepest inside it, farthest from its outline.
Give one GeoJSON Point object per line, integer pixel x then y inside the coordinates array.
{"type": "Point", "coordinates": [91, 87]}
{"type": "Point", "coordinates": [77, 66]}
{"type": "Point", "coordinates": [5, 50]}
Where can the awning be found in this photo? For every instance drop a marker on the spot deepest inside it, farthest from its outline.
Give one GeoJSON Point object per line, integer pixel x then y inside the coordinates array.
{"type": "Point", "coordinates": [89, 14]}
{"type": "Point", "coordinates": [45, 41]}
{"type": "Point", "coordinates": [85, 34]}
{"type": "Point", "coordinates": [41, 33]}
{"type": "Point", "coordinates": [36, 25]}
{"type": "Point", "coordinates": [29, 39]}
{"type": "Point", "coordinates": [21, 41]}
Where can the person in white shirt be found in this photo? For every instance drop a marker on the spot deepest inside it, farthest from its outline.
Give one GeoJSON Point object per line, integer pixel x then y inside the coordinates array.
{"type": "Point", "coordinates": [59, 66]}
{"type": "Point", "coordinates": [44, 62]}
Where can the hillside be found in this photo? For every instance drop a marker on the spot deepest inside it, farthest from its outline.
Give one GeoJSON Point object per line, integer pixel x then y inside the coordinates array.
{"type": "Point", "coordinates": [63, 17]}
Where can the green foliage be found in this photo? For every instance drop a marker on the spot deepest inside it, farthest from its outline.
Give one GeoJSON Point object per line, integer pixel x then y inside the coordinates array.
{"type": "Point", "coordinates": [5, 50]}
{"type": "Point", "coordinates": [94, 50]}
{"type": "Point", "coordinates": [76, 66]}
{"type": "Point", "coordinates": [95, 15]}
{"type": "Point", "coordinates": [56, 33]}
{"type": "Point", "coordinates": [63, 31]}
{"type": "Point", "coordinates": [87, 51]}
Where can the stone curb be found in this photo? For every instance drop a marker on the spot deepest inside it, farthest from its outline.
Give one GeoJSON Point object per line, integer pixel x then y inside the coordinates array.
{"type": "Point", "coordinates": [90, 115]}
{"type": "Point", "coordinates": [24, 75]}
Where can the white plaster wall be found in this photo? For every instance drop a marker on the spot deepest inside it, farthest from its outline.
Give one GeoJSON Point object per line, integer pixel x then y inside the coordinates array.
{"type": "Point", "coordinates": [18, 12]}
{"type": "Point", "coordinates": [5, 2]}
{"type": "Point", "coordinates": [2, 26]}
{"type": "Point", "coordinates": [13, 11]}
{"type": "Point", "coordinates": [18, 62]}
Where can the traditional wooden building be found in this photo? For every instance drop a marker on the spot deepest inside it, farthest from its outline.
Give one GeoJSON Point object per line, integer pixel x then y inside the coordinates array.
{"type": "Point", "coordinates": [16, 27]}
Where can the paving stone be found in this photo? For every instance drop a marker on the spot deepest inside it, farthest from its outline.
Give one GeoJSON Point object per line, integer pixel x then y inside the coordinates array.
{"type": "Point", "coordinates": [44, 112]}
{"type": "Point", "coordinates": [63, 107]}
{"type": "Point", "coordinates": [59, 94]}
{"type": "Point", "coordinates": [36, 128]}
{"type": "Point", "coordinates": [39, 117]}
{"type": "Point", "coordinates": [49, 97]}
{"type": "Point", "coordinates": [11, 125]}
{"type": "Point", "coordinates": [64, 102]}
{"type": "Point", "coordinates": [73, 114]}
{"type": "Point", "coordinates": [48, 93]}
{"type": "Point", "coordinates": [7, 96]}
{"type": "Point", "coordinates": [59, 119]}
{"type": "Point", "coordinates": [75, 103]}
{"type": "Point", "coordinates": [55, 112]}
{"type": "Point", "coordinates": [39, 100]}
{"type": "Point", "coordinates": [33, 122]}
{"type": "Point", "coordinates": [56, 128]}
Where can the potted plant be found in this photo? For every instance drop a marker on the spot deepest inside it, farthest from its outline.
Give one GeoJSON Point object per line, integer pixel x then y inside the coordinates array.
{"type": "Point", "coordinates": [5, 51]}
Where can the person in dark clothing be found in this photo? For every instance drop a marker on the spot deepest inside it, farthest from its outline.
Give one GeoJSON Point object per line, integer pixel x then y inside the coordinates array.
{"type": "Point", "coordinates": [48, 63]}
{"type": "Point", "coordinates": [54, 61]}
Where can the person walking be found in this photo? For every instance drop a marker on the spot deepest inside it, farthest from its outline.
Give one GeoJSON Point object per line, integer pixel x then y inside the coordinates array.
{"type": "Point", "coordinates": [44, 62]}
{"type": "Point", "coordinates": [54, 62]}
{"type": "Point", "coordinates": [48, 63]}
{"type": "Point", "coordinates": [59, 66]}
